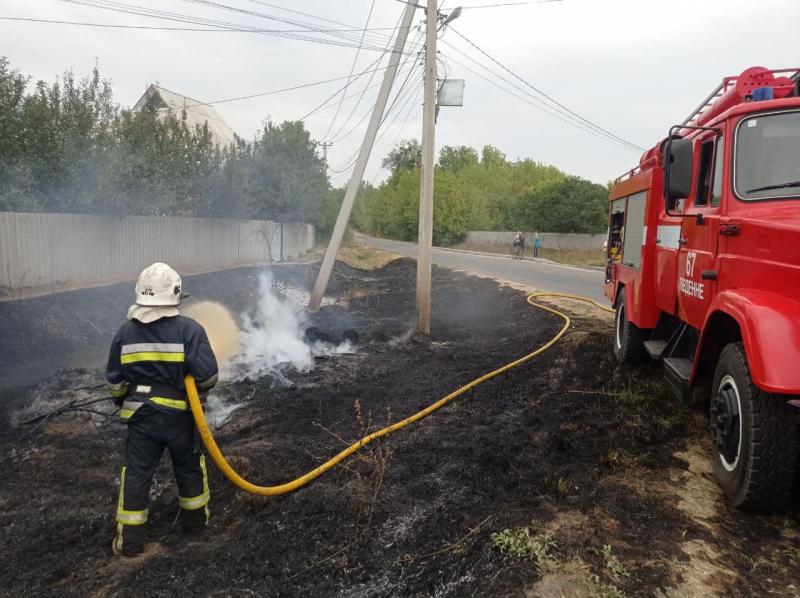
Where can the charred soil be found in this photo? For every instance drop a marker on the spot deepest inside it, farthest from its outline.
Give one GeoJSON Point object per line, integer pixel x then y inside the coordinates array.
{"type": "Point", "coordinates": [564, 476]}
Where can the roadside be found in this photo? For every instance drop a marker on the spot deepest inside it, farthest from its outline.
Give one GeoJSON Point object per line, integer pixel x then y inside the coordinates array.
{"type": "Point", "coordinates": [533, 274]}
{"type": "Point", "coordinates": [564, 477]}
{"type": "Point", "coordinates": [591, 258]}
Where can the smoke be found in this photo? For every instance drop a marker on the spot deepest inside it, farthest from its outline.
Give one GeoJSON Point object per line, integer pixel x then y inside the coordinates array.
{"type": "Point", "coordinates": [223, 334]}
{"type": "Point", "coordinates": [271, 339]}
{"type": "Point", "coordinates": [272, 336]}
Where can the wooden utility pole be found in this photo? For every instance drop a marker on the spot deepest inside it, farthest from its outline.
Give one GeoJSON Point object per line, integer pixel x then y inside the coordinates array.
{"type": "Point", "coordinates": [425, 238]}
{"type": "Point", "coordinates": [361, 162]}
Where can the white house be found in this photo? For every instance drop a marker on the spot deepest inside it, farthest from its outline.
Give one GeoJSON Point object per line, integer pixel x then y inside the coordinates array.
{"type": "Point", "coordinates": [197, 113]}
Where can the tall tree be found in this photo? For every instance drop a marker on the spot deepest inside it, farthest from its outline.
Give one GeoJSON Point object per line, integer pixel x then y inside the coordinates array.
{"type": "Point", "coordinates": [406, 155]}
{"type": "Point", "coordinates": [455, 158]}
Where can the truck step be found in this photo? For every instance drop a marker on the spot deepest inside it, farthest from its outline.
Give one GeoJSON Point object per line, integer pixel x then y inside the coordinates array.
{"type": "Point", "coordinates": [677, 371]}
{"type": "Point", "coordinates": [655, 348]}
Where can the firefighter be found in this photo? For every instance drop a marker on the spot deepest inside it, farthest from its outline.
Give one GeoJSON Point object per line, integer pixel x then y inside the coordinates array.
{"type": "Point", "coordinates": [149, 357]}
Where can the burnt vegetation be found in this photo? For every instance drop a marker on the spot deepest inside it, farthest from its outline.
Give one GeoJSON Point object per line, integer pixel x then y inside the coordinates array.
{"type": "Point", "coordinates": [562, 464]}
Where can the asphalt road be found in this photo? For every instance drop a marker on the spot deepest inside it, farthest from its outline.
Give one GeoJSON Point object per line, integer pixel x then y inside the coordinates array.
{"type": "Point", "coordinates": [537, 274]}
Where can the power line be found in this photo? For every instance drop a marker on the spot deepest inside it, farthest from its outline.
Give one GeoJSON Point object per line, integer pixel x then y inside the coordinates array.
{"type": "Point", "coordinates": [121, 7]}
{"type": "Point", "coordinates": [155, 28]}
{"type": "Point", "coordinates": [548, 97]}
{"type": "Point", "coordinates": [341, 89]}
{"type": "Point", "coordinates": [235, 9]}
{"type": "Point", "coordinates": [352, 68]}
{"type": "Point", "coordinates": [414, 45]}
{"type": "Point", "coordinates": [511, 4]}
{"type": "Point", "coordinates": [528, 100]}
{"type": "Point", "coordinates": [351, 159]}
{"type": "Point", "coordinates": [368, 112]}
{"type": "Point", "coordinates": [313, 16]}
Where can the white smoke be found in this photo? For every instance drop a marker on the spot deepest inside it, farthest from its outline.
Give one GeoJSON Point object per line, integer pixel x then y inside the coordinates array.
{"type": "Point", "coordinates": [272, 339]}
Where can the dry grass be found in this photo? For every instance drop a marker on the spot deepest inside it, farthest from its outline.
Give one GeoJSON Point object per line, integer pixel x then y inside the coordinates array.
{"type": "Point", "coordinates": [573, 257]}
{"type": "Point", "coordinates": [365, 258]}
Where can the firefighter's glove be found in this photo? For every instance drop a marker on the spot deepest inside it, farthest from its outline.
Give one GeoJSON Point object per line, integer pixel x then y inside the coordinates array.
{"type": "Point", "coordinates": [119, 392]}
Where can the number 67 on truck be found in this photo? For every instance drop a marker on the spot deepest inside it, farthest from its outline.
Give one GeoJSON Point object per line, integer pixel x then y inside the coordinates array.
{"type": "Point", "coordinates": [704, 274]}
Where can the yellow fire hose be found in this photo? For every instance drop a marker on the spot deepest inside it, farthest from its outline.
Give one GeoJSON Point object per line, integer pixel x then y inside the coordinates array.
{"type": "Point", "coordinates": [238, 481]}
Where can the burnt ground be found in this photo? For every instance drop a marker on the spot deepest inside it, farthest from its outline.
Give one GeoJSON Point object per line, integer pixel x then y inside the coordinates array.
{"type": "Point", "coordinates": [595, 480]}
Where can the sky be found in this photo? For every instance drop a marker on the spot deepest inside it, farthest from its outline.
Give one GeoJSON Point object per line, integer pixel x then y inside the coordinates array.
{"type": "Point", "coordinates": [632, 67]}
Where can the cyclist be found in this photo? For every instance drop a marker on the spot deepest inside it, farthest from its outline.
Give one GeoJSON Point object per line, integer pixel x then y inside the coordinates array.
{"type": "Point", "coordinates": [518, 245]}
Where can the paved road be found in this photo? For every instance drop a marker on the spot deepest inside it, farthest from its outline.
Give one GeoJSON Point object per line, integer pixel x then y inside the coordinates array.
{"type": "Point", "coordinates": [536, 274]}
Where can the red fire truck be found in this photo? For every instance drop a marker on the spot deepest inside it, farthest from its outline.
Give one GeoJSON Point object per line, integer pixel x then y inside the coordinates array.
{"type": "Point", "coordinates": [704, 273]}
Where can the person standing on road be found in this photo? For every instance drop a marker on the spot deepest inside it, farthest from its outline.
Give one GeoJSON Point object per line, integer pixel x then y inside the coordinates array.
{"type": "Point", "coordinates": [537, 243]}
{"type": "Point", "coordinates": [149, 358]}
{"type": "Point", "coordinates": [519, 243]}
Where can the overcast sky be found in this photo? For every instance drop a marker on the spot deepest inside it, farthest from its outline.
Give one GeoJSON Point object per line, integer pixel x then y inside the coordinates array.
{"type": "Point", "coordinates": [633, 67]}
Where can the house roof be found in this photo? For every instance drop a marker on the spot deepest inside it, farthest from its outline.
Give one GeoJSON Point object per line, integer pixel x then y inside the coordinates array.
{"type": "Point", "coordinates": [197, 113]}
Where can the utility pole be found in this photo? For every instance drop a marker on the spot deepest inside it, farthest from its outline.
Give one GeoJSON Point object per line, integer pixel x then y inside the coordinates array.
{"type": "Point", "coordinates": [361, 162]}
{"type": "Point", "coordinates": [425, 237]}
{"type": "Point", "coordinates": [325, 147]}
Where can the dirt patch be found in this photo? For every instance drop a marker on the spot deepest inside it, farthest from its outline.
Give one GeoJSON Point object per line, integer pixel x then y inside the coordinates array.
{"type": "Point", "coordinates": [591, 461]}
{"type": "Point", "coordinates": [357, 255]}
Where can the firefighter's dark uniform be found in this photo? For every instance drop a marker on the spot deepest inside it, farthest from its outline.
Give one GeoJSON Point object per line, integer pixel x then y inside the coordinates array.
{"type": "Point", "coordinates": [146, 367]}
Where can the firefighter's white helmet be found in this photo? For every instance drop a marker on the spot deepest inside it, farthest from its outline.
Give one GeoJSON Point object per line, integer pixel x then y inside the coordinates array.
{"type": "Point", "coordinates": [158, 286]}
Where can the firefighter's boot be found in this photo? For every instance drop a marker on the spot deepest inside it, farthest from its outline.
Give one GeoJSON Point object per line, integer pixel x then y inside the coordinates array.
{"type": "Point", "coordinates": [129, 540]}
{"type": "Point", "coordinates": [194, 521]}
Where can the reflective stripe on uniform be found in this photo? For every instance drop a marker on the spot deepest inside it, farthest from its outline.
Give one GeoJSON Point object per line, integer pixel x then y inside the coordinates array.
{"type": "Point", "coordinates": [128, 517]}
{"type": "Point", "coordinates": [129, 408]}
{"type": "Point", "coordinates": [201, 500]}
{"type": "Point", "coordinates": [196, 502]}
{"type": "Point", "coordinates": [175, 404]}
{"type": "Point", "coordinates": [151, 356]}
{"type": "Point", "coordinates": [151, 348]}
{"type": "Point", "coordinates": [132, 517]}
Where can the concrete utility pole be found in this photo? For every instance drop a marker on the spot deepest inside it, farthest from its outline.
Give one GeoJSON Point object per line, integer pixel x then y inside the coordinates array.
{"type": "Point", "coordinates": [325, 147]}
{"type": "Point", "coordinates": [425, 238]}
{"type": "Point", "coordinates": [361, 162]}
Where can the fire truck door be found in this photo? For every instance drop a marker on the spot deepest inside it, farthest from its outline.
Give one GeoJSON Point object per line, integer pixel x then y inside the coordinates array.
{"type": "Point", "coordinates": [697, 262]}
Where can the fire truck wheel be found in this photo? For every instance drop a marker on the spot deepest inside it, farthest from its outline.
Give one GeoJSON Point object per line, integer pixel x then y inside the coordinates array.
{"type": "Point", "coordinates": [628, 338]}
{"type": "Point", "coordinates": [754, 436]}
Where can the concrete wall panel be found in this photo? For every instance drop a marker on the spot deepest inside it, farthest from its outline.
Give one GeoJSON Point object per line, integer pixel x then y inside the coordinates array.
{"type": "Point", "coordinates": [50, 252]}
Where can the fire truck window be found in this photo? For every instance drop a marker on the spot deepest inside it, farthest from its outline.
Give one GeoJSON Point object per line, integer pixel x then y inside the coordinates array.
{"type": "Point", "coordinates": [616, 229]}
{"type": "Point", "coordinates": [633, 232]}
{"type": "Point", "coordinates": [704, 173]}
{"type": "Point", "coordinates": [716, 188]}
{"type": "Point", "coordinates": [766, 164]}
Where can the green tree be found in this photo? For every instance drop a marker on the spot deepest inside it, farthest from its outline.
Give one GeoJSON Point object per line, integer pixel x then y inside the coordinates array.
{"type": "Point", "coordinates": [406, 155]}
{"type": "Point", "coordinates": [455, 158]}
{"type": "Point", "coordinates": [67, 146]}
{"type": "Point", "coordinates": [572, 205]}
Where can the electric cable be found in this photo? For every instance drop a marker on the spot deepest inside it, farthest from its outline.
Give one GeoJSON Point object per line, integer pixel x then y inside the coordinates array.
{"type": "Point", "coordinates": [156, 28]}
{"type": "Point", "coordinates": [338, 133]}
{"type": "Point", "coordinates": [351, 159]}
{"type": "Point", "coordinates": [543, 94]}
{"type": "Point", "coordinates": [223, 25]}
{"type": "Point", "coordinates": [352, 68]}
{"type": "Point", "coordinates": [527, 98]}
{"type": "Point", "coordinates": [386, 114]}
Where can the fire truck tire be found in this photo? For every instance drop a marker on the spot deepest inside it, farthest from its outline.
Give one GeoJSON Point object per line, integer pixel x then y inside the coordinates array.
{"type": "Point", "coordinates": [756, 451]}
{"type": "Point", "coordinates": [628, 338]}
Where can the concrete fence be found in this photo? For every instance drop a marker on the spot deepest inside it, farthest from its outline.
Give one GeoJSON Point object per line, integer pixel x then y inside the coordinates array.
{"type": "Point", "coordinates": [51, 252]}
{"type": "Point", "coordinates": [549, 240]}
